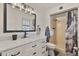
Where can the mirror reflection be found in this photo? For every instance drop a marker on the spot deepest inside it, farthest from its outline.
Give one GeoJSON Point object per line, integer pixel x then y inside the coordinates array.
{"type": "Point", "coordinates": [18, 20]}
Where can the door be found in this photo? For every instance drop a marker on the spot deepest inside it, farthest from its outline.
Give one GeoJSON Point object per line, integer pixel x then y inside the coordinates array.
{"type": "Point", "coordinates": [58, 25]}
{"type": "Point", "coordinates": [60, 33]}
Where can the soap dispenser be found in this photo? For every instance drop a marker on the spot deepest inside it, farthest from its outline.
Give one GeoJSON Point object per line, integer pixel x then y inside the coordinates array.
{"type": "Point", "coordinates": [38, 29]}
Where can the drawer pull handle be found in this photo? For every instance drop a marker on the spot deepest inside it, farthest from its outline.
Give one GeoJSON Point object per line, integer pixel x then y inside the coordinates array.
{"type": "Point", "coordinates": [43, 52]}
{"type": "Point", "coordinates": [0, 54]}
{"type": "Point", "coordinates": [16, 54]}
{"type": "Point", "coordinates": [34, 46]}
{"type": "Point", "coordinates": [34, 53]}
{"type": "Point", "coordinates": [43, 41]}
{"type": "Point", "coordinates": [43, 46]}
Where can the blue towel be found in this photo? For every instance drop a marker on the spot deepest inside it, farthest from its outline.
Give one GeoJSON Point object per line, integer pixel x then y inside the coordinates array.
{"type": "Point", "coordinates": [47, 32]}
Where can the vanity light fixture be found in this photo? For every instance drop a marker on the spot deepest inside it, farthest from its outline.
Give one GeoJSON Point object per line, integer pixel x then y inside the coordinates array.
{"type": "Point", "coordinates": [23, 6]}
{"type": "Point", "coordinates": [26, 10]}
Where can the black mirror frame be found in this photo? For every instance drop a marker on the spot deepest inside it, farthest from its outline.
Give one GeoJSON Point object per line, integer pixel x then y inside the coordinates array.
{"type": "Point", "coordinates": [5, 22]}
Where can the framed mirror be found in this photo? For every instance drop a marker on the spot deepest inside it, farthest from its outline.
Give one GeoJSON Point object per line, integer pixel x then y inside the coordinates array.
{"type": "Point", "coordinates": [16, 20]}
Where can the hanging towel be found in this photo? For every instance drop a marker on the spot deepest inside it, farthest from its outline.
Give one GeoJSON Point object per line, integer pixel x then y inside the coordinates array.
{"type": "Point", "coordinates": [47, 33]}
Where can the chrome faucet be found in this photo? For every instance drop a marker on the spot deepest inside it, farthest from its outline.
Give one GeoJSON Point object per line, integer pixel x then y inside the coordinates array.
{"type": "Point", "coordinates": [25, 34]}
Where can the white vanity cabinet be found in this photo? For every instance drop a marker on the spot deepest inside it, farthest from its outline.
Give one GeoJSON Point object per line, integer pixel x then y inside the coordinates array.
{"type": "Point", "coordinates": [13, 52]}
{"type": "Point", "coordinates": [35, 48]}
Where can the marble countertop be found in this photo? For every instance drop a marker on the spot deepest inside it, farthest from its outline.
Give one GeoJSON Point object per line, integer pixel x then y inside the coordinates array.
{"type": "Point", "coordinates": [9, 44]}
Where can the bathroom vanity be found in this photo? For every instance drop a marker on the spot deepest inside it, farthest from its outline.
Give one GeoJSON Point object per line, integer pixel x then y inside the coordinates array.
{"type": "Point", "coordinates": [16, 20]}
{"type": "Point", "coordinates": [24, 47]}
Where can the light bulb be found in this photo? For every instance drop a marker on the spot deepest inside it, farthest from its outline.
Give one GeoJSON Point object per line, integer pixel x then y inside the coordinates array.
{"type": "Point", "coordinates": [13, 6]}
{"type": "Point", "coordinates": [26, 10]}
{"type": "Point", "coordinates": [32, 11]}
{"type": "Point", "coordinates": [22, 7]}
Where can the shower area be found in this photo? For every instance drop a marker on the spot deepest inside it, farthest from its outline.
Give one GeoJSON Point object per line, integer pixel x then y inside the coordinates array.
{"type": "Point", "coordinates": [65, 25]}
{"type": "Point", "coordinates": [71, 32]}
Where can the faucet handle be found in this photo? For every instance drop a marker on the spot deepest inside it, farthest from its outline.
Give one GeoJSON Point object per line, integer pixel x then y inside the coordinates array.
{"type": "Point", "coordinates": [25, 34]}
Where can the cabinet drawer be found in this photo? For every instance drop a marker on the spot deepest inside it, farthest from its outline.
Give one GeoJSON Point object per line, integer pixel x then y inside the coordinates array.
{"type": "Point", "coordinates": [45, 53]}
{"type": "Point", "coordinates": [14, 52]}
{"type": "Point", "coordinates": [31, 52]}
{"type": "Point", "coordinates": [42, 52]}
{"type": "Point", "coordinates": [42, 42]}
{"type": "Point", "coordinates": [35, 45]}
{"type": "Point", "coordinates": [32, 45]}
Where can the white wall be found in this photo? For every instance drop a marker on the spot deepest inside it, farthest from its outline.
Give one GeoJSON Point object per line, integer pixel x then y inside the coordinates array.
{"type": "Point", "coordinates": [56, 10]}
{"type": "Point", "coordinates": [40, 20]}
{"type": "Point", "coordinates": [1, 18]}
{"type": "Point", "coordinates": [5, 36]}
{"type": "Point", "coordinates": [66, 6]}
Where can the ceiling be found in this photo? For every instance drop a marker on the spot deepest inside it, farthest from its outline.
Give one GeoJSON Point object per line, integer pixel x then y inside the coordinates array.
{"type": "Point", "coordinates": [44, 6]}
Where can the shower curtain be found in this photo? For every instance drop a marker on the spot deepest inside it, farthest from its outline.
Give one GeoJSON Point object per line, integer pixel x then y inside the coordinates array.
{"type": "Point", "coordinates": [71, 33]}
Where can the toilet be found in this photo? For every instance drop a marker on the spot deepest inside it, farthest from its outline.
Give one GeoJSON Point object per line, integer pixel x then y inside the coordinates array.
{"type": "Point", "coordinates": [50, 49]}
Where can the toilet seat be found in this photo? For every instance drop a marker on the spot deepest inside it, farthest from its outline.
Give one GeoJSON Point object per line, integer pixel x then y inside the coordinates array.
{"type": "Point", "coordinates": [50, 48]}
